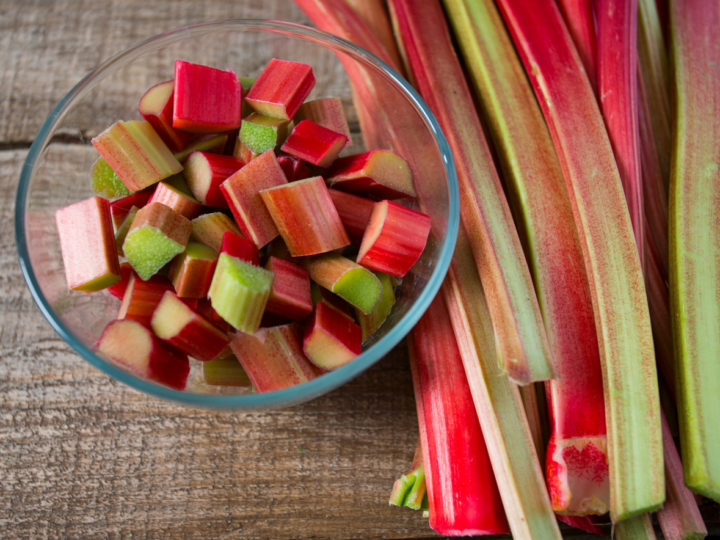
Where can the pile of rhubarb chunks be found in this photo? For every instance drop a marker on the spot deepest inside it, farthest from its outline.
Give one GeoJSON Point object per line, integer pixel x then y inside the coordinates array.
{"type": "Point", "coordinates": [235, 234]}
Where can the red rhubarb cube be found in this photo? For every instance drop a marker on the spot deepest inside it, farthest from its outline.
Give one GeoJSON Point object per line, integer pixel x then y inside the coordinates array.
{"type": "Point", "coordinates": [378, 174]}
{"type": "Point", "coordinates": [206, 99]}
{"type": "Point", "coordinates": [87, 243]}
{"type": "Point", "coordinates": [205, 172]}
{"type": "Point", "coordinates": [354, 212]}
{"type": "Point", "coordinates": [314, 143]}
{"type": "Point", "coordinates": [394, 239]}
{"type": "Point", "coordinates": [241, 192]}
{"type": "Point", "coordinates": [306, 216]}
{"type": "Point", "coordinates": [331, 338]}
{"type": "Point", "coordinates": [142, 297]}
{"type": "Point", "coordinates": [240, 247]}
{"type": "Point", "coordinates": [281, 88]}
{"type": "Point", "coordinates": [156, 106]}
{"type": "Point", "coordinates": [290, 294]}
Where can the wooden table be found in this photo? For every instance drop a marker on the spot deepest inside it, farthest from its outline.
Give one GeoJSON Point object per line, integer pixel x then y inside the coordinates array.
{"type": "Point", "coordinates": [84, 456]}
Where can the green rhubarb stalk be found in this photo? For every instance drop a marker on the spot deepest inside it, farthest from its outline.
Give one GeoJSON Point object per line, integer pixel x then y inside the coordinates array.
{"type": "Point", "coordinates": [410, 489]}
{"type": "Point", "coordinates": [611, 257]}
{"type": "Point", "coordinates": [635, 528]}
{"type": "Point", "coordinates": [522, 345]}
{"type": "Point", "coordinates": [695, 238]}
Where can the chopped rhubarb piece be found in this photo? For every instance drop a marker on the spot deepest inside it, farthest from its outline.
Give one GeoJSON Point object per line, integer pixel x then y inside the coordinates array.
{"type": "Point", "coordinates": [354, 212]}
{"type": "Point", "coordinates": [290, 294]}
{"type": "Point", "coordinates": [156, 106]}
{"type": "Point", "coordinates": [142, 297]}
{"type": "Point", "coordinates": [306, 216]}
{"type": "Point", "coordinates": [241, 191]}
{"type": "Point", "coordinates": [314, 143]}
{"type": "Point", "coordinates": [210, 228]}
{"type": "Point", "coordinates": [273, 358]}
{"type": "Point", "coordinates": [205, 172]}
{"type": "Point", "coordinates": [239, 292]}
{"type": "Point", "coordinates": [131, 344]}
{"type": "Point", "coordinates": [246, 83]}
{"type": "Point", "coordinates": [394, 239]}
{"type": "Point", "coordinates": [156, 235]}
{"type": "Point", "coordinates": [205, 309]}
{"type": "Point", "coordinates": [214, 143]}
{"type": "Point", "coordinates": [119, 208]}
{"type": "Point", "coordinates": [331, 339]}
{"type": "Point", "coordinates": [136, 153]}
{"type": "Point", "coordinates": [378, 174]}
{"type": "Point", "coordinates": [118, 290]}
{"type": "Point", "coordinates": [177, 199]}
{"type": "Point", "coordinates": [353, 283]}
{"type": "Point", "coordinates": [370, 322]}
{"type": "Point", "coordinates": [105, 182]}
{"type": "Point", "coordinates": [191, 272]}
{"type": "Point", "coordinates": [176, 323]}
{"type": "Point", "coordinates": [327, 112]}
{"type": "Point", "coordinates": [225, 370]}
{"type": "Point", "coordinates": [293, 167]}
{"type": "Point", "coordinates": [88, 245]}
{"type": "Point", "coordinates": [243, 152]}
{"type": "Point", "coordinates": [240, 248]}
{"type": "Point", "coordinates": [260, 133]}
{"type": "Point", "coordinates": [281, 88]}
{"type": "Point", "coordinates": [206, 99]}
{"type": "Point", "coordinates": [123, 229]}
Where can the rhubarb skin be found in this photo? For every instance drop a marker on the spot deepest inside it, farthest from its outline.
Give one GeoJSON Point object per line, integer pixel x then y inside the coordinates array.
{"type": "Point", "coordinates": [87, 243]}
{"type": "Point", "coordinates": [394, 238]}
{"type": "Point", "coordinates": [331, 338]}
{"type": "Point", "coordinates": [205, 99]}
{"type": "Point", "coordinates": [191, 272]}
{"type": "Point", "coordinates": [463, 497]}
{"type": "Point", "coordinates": [314, 143]}
{"type": "Point", "coordinates": [377, 174]}
{"type": "Point", "coordinates": [281, 88]}
{"type": "Point", "coordinates": [354, 212]}
{"type": "Point", "coordinates": [142, 297]}
{"type": "Point", "coordinates": [177, 324]}
{"type": "Point", "coordinates": [273, 358]}
{"type": "Point", "coordinates": [205, 172]}
{"type": "Point", "coordinates": [210, 228]}
{"type": "Point", "coordinates": [523, 347]}
{"type": "Point", "coordinates": [580, 19]}
{"type": "Point", "coordinates": [694, 247]}
{"type": "Point", "coordinates": [290, 294]}
{"type": "Point", "coordinates": [136, 153]}
{"type": "Point", "coordinates": [611, 257]}
{"type": "Point", "coordinates": [156, 106]}
{"type": "Point", "coordinates": [174, 198]}
{"type": "Point", "coordinates": [133, 345]}
{"type": "Point", "coordinates": [327, 112]}
{"type": "Point", "coordinates": [305, 216]}
{"type": "Point", "coordinates": [576, 461]}
{"type": "Point", "coordinates": [242, 192]}
{"type": "Point", "coordinates": [240, 247]}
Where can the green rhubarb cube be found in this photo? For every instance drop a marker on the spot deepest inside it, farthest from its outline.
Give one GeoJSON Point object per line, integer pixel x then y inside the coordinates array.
{"type": "Point", "coordinates": [148, 249]}
{"type": "Point", "coordinates": [105, 182]}
{"type": "Point", "coordinates": [260, 133]}
{"type": "Point", "coordinates": [239, 292]}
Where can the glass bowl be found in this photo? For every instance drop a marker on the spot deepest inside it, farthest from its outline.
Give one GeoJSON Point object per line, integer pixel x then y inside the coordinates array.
{"type": "Point", "coordinates": [57, 173]}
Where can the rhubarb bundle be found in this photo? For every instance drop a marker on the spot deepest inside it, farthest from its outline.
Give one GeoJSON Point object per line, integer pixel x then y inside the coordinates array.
{"type": "Point", "coordinates": [214, 256]}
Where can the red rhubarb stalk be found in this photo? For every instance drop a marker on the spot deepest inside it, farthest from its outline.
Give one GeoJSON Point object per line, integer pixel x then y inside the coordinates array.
{"type": "Point", "coordinates": [580, 20]}
{"type": "Point", "coordinates": [618, 293]}
{"type": "Point", "coordinates": [618, 87]}
{"type": "Point", "coordinates": [522, 343]}
{"type": "Point", "coordinates": [463, 497]}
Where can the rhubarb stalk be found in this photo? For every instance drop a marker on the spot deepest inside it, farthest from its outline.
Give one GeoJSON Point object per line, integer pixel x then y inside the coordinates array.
{"type": "Point", "coordinates": [462, 493]}
{"type": "Point", "coordinates": [522, 349]}
{"type": "Point", "coordinates": [577, 473]}
{"type": "Point", "coordinates": [632, 408]}
{"type": "Point", "coordinates": [694, 232]}
{"type": "Point", "coordinates": [580, 20]}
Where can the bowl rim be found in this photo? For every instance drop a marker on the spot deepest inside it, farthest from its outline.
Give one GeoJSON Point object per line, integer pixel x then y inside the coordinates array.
{"type": "Point", "coordinates": [254, 400]}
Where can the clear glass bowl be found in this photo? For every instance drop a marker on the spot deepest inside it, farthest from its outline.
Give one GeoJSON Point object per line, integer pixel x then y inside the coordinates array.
{"type": "Point", "coordinates": [56, 173]}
